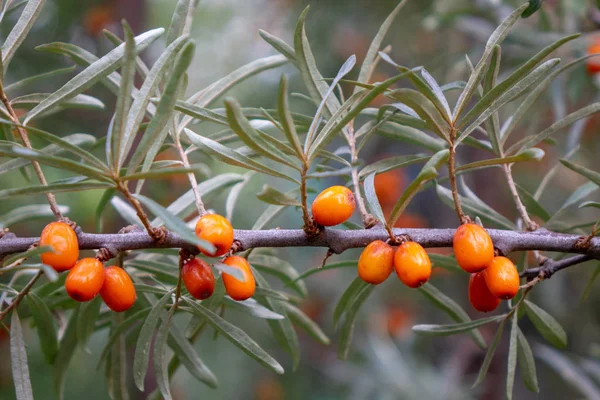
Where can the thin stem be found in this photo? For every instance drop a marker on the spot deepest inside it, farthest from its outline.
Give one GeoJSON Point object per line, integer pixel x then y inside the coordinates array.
{"type": "Point", "coordinates": [156, 234]}
{"type": "Point", "coordinates": [191, 177]}
{"type": "Point", "coordinates": [368, 220]}
{"type": "Point", "coordinates": [36, 166]}
{"type": "Point", "coordinates": [529, 223]}
{"type": "Point", "coordinates": [310, 228]}
{"type": "Point", "coordinates": [452, 176]}
{"type": "Point", "coordinates": [21, 295]}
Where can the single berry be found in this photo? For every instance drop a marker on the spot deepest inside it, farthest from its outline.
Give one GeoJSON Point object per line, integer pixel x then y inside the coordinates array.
{"type": "Point", "coordinates": [62, 238]}
{"type": "Point", "coordinates": [473, 247]}
{"type": "Point", "coordinates": [593, 63]}
{"type": "Point", "coordinates": [215, 229]}
{"type": "Point", "coordinates": [198, 278]}
{"type": "Point", "coordinates": [118, 291]}
{"type": "Point", "coordinates": [333, 206]}
{"type": "Point", "coordinates": [412, 264]}
{"type": "Point", "coordinates": [480, 296]}
{"type": "Point", "coordinates": [85, 279]}
{"type": "Point", "coordinates": [376, 262]}
{"type": "Point", "coordinates": [235, 288]}
{"type": "Point", "coordinates": [502, 278]}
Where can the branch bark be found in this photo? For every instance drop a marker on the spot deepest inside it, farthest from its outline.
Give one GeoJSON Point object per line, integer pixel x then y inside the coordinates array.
{"type": "Point", "coordinates": [337, 240]}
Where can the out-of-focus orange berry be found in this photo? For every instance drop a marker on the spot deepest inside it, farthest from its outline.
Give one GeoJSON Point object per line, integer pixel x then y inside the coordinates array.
{"type": "Point", "coordinates": [480, 296]}
{"type": "Point", "coordinates": [98, 18]}
{"type": "Point", "coordinates": [593, 63]}
{"type": "Point", "coordinates": [376, 262]}
{"type": "Point", "coordinates": [389, 186]}
{"type": "Point", "coordinates": [217, 230]}
{"type": "Point", "coordinates": [473, 247]}
{"type": "Point", "coordinates": [85, 279]}
{"type": "Point", "coordinates": [62, 238]}
{"type": "Point", "coordinates": [118, 291]}
{"type": "Point", "coordinates": [333, 206]}
{"type": "Point", "coordinates": [235, 288]}
{"type": "Point", "coordinates": [412, 264]}
{"type": "Point", "coordinates": [198, 278]}
{"type": "Point", "coordinates": [502, 278]}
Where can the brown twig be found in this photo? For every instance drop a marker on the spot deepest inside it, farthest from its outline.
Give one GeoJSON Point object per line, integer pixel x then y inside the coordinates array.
{"type": "Point", "coordinates": [452, 177]}
{"type": "Point", "coordinates": [190, 175]}
{"type": "Point", "coordinates": [310, 226]}
{"type": "Point", "coordinates": [25, 138]}
{"type": "Point", "coordinates": [156, 234]}
{"type": "Point", "coordinates": [529, 223]}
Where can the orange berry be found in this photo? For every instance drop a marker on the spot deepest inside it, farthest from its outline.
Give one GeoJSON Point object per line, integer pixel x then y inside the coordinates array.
{"type": "Point", "coordinates": [118, 291]}
{"type": "Point", "coordinates": [502, 278]}
{"type": "Point", "coordinates": [479, 295]}
{"type": "Point", "coordinates": [593, 63]}
{"type": "Point", "coordinates": [389, 186]}
{"type": "Point", "coordinates": [412, 264]}
{"type": "Point", "coordinates": [198, 279]}
{"type": "Point", "coordinates": [333, 206]}
{"type": "Point", "coordinates": [235, 288]}
{"type": "Point", "coordinates": [85, 279]}
{"type": "Point", "coordinates": [62, 238]}
{"type": "Point", "coordinates": [376, 262]}
{"type": "Point", "coordinates": [473, 247]}
{"type": "Point", "coordinates": [215, 229]}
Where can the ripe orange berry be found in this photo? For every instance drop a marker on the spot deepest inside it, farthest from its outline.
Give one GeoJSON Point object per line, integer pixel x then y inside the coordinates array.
{"type": "Point", "coordinates": [412, 264]}
{"type": "Point", "coordinates": [333, 206]}
{"type": "Point", "coordinates": [118, 292]}
{"type": "Point", "coordinates": [215, 229]}
{"type": "Point", "coordinates": [593, 63]}
{"type": "Point", "coordinates": [235, 288]}
{"type": "Point", "coordinates": [473, 247]}
{"type": "Point", "coordinates": [62, 238]}
{"type": "Point", "coordinates": [479, 295]}
{"type": "Point", "coordinates": [376, 262]}
{"type": "Point", "coordinates": [85, 279]}
{"type": "Point", "coordinates": [198, 278]}
{"type": "Point", "coordinates": [502, 278]}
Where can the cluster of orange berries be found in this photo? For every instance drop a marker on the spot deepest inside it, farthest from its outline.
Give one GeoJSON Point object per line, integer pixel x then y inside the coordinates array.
{"type": "Point", "coordinates": [197, 274]}
{"type": "Point", "coordinates": [493, 278]}
{"type": "Point", "coordinates": [87, 277]}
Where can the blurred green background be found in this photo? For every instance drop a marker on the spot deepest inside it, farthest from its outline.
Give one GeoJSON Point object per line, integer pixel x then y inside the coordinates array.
{"type": "Point", "coordinates": [387, 361]}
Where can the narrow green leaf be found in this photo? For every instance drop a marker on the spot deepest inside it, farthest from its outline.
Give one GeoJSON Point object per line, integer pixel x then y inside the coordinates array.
{"type": "Point", "coordinates": [512, 357]}
{"type": "Point", "coordinates": [162, 172]}
{"type": "Point", "coordinates": [52, 187]}
{"type": "Point", "coordinates": [279, 45]}
{"type": "Point", "coordinates": [546, 325]}
{"type": "Point", "coordinates": [475, 208]}
{"type": "Point", "coordinates": [179, 21]}
{"type": "Point", "coordinates": [234, 195]}
{"type": "Point", "coordinates": [453, 329]}
{"type": "Point", "coordinates": [86, 321]}
{"type": "Point", "coordinates": [533, 154]}
{"type": "Point", "coordinates": [126, 211]}
{"type": "Point", "coordinates": [532, 205]}
{"type": "Point", "coordinates": [19, 32]}
{"type": "Point", "coordinates": [299, 318]}
{"type": "Point", "coordinates": [175, 224]}
{"type": "Point", "coordinates": [26, 254]}
{"type": "Point", "coordinates": [104, 200]}
{"type": "Point", "coordinates": [120, 331]}
{"type": "Point", "coordinates": [236, 336]}
{"type": "Point", "coordinates": [80, 101]}
{"type": "Point", "coordinates": [160, 359]}
{"type": "Point", "coordinates": [231, 156]}
{"type": "Point", "coordinates": [18, 360]}
{"type": "Point", "coordinates": [428, 173]}
{"type": "Point", "coordinates": [44, 322]}
{"type": "Point", "coordinates": [281, 269]}
{"type": "Point", "coordinates": [287, 122]}
{"type": "Point", "coordinates": [142, 347]}
{"type": "Point", "coordinates": [367, 67]}
{"type": "Point", "coordinates": [411, 135]}
{"type": "Point", "coordinates": [489, 83]}
{"type": "Point", "coordinates": [347, 299]}
{"type": "Point", "coordinates": [66, 351]}
{"type": "Point", "coordinates": [371, 196]}
{"type": "Point", "coordinates": [92, 74]}
{"type": "Point", "coordinates": [450, 307]}
{"type": "Point", "coordinates": [489, 355]}
{"type": "Point", "coordinates": [235, 272]}
{"type": "Point", "coordinates": [35, 79]}
{"type": "Point", "coordinates": [271, 195]}
{"type": "Point", "coordinates": [252, 307]}
{"type": "Point", "coordinates": [534, 5]}
{"type": "Point", "coordinates": [526, 363]}
{"type": "Point", "coordinates": [348, 327]}
{"type": "Point", "coordinates": [586, 173]}
{"type": "Point", "coordinates": [392, 163]}
{"type": "Point", "coordinates": [425, 109]}
{"type": "Point", "coordinates": [142, 98]}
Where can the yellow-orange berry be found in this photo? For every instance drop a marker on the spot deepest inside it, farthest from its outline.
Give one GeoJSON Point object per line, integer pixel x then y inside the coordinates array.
{"type": "Point", "coordinates": [118, 291]}
{"type": "Point", "coordinates": [333, 206]}
{"type": "Point", "coordinates": [62, 238]}
{"type": "Point", "coordinates": [85, 279]}
{"type": "Point", "coordinates": [502, 278]}
{"type": "Point", "coordinates": [480, 296]}
{"type": "Point", "coordinates": [473, 247]}
{"type": "Point", "coordinates": [198, 278]}
{"type": "Point", "coordinates": [376, 262]}
{"type": "Point", "coordinates": [412, 264]}
{"type": "Point", "coordinates": [593, 63]}
{"type": "Point", "coordinates": [235, 288]}
{"type": "Point", "coordinates": [217, 230]}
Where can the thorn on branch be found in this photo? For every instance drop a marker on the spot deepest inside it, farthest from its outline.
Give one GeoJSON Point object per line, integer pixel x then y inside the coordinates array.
{"type": "Point", "coordinates": [370, 221]}
{"type": "Point", "coordinates": [327, 255]}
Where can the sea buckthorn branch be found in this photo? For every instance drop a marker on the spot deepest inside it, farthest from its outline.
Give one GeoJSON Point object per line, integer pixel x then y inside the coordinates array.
{"type": "Point", "coordinates": [25, 138]}
{"type": "Point", "coordinates": [452, 177]}
{"type": "Point", "coordinates": [549, 267]}
{"type": "Point", "coordinates": [506, 241]}
{"type": "Point", "coordinates": [191, 177]}
{"type": "Point", "coordinates": [529, 223]}
{"type": "Point", "coordinates": [310, 226]}
{"type": "Point", "coordinates": [156, 234]}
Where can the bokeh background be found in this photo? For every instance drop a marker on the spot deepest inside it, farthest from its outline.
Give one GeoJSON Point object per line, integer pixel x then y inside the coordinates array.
{"type": "Point", "coordinates": [387, 360]}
